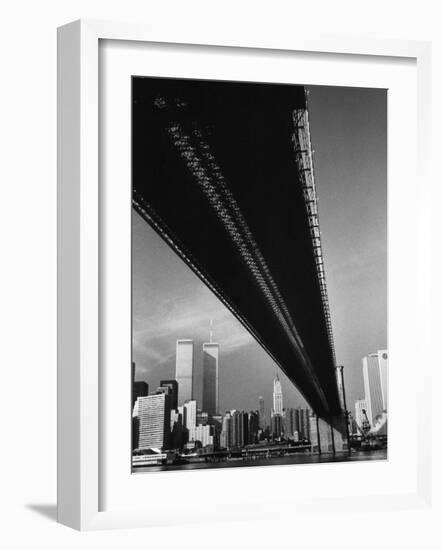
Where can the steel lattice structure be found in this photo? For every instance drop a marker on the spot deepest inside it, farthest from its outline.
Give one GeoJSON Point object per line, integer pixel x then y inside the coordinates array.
{"type": "Point", "coordinates": [224, 173]}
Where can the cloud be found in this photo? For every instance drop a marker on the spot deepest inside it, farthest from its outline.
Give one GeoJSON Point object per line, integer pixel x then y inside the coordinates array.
{"type": "Point", "coordinates": [157, 324]}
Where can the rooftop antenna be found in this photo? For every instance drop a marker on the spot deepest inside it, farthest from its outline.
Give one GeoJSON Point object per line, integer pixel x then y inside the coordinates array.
{"type": "Point", "coordinates": [211, 330]}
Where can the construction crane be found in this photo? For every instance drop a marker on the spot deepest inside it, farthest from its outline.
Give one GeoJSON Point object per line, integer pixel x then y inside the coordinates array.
{"type": "Point", "coordinates": [369, 439]}
{"type": "Point", "coordinates": [366, 426]}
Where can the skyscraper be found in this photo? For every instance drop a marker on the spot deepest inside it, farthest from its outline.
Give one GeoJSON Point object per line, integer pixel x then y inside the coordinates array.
{"type": "Point", "coordinates": [302, 422]}
{"type": "Point", "coordinates": [139, 389]}
{"type": "Point", "coordinates": [277, 425]}
{"type": "Point", "coordinates": [226, 431]}
{"type": "Point", "coordinates": [262, 413]}
{"type": "Point", "coordinates": [154, 421]}
{"type": "Point", "coordinates": [374, 369]}
{"type": "Point", "coordinates": [173, 385]}
{"type": "Point", "coordinates": [177, 429]}
{"type": "Point", "coordinates": [276, 419]}
{"type": "Point", "coordinates": [189, 414]}
{"type": "Point", "coordinates": [253, 426]}
{"type": "Point", "coordinates": [290, 426]}
{"type": "Point", "coordinates": [240, 428]}
{"type": "Point", "coordinates": [383, 366]}
{"type": "Point", "coordinates": [210, 375]}
{"type": "Point", "coordinates": [184, 370]}
{"type": "Point", "coordinates": [217, 422]}
{"type": "Point", "coordinates": [277, 396]}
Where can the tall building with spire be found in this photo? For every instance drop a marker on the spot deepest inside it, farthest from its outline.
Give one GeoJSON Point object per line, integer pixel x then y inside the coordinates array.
{"type": "Point", "coordinates": [211, 375]}
{"type": "Point", "coordinates": [276, 419]}
{"type": "Point", "coordinates": [262, 413]}
{"type": "Point", "coordinates": [277, 396]}
{"type": "Point", "coordinates": [184, 370]}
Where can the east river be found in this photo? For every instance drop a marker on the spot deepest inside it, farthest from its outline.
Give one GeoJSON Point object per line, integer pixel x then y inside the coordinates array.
{"type": "Point", "coordinates": [298, 458]}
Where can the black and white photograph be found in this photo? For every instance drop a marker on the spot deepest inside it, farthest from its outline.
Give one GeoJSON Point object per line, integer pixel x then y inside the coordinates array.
{"type": "Point", "coordinates": [221, 265]}
{"type": "Point", "coordinates": [259, 274]}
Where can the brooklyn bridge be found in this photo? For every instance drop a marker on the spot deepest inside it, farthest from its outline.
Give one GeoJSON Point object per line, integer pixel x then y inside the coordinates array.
{"type": "Point", "coordinates": [225, 175]}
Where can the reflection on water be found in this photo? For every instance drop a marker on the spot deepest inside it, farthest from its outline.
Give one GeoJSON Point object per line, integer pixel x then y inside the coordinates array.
{"type": "Point", "coordinates": [359, 456]}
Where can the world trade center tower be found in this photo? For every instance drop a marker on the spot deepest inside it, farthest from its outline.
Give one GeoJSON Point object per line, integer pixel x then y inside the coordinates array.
{"type": "Point", "coordinates": [210, 376]}
{"type": "Point", "coordinates": [184, 370]}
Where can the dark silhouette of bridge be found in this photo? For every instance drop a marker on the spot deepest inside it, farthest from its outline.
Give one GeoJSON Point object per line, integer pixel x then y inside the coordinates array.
{"type": "Point", "coordinates": [224, 173]}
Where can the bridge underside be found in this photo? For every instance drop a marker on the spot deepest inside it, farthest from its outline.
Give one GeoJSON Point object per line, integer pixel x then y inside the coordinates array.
{"type": "Point", "coordinates": [214, 173]}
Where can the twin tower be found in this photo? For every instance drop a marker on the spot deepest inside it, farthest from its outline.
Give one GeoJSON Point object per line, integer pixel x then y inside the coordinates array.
{"type": "Point", "coordinates": [185, 369]}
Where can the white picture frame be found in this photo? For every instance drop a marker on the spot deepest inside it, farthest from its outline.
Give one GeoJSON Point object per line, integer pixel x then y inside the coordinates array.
{"type": "Point", "coordinates": [79, 264]}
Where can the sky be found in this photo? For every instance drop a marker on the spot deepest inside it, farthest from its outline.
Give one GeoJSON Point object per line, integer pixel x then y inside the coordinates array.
{"type": "Point", "coordinates": [348, 132]}
{"type": "Point", "coordinates": [349, 135]}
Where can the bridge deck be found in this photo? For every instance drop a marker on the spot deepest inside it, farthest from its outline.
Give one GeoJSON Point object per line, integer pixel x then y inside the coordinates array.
{"type": "Point", "coordinates": [214, 173]}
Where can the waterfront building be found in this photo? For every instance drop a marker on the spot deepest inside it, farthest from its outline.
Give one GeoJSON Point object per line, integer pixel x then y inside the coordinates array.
{"type": "Point", "coordinates": [302, 422]}
{"type": "Point", "coordinates": [179, 432]}
{"type": "Point", "coordinates": [184, 370]}
{"type": "Point", "coordinates": [277, 426]}
{"type": "Point", "coordinates": [203, 434]}
{"type": "Point", "coordinates": [240, 430]}
{"type": "Point", "coordinates": [226, 431]}
{"type": "Point", "coordinates": [290, 426]}
{"type": "Point", "coordinates": [210, 375]}
{"type": "Point", "coordinates": [253, 426]}
{"type": "Point", "coordinates": [245, 428]}
{"type": "Point", "coordinates": [235, 429]}
{"type": "Point", "coordinates": [216, 422]}
{"type": "Point", "coordinates": [374, 369]}
{"type": "Point", "coordinates": [154, 421]}
{"type": "Point", "coordinates": [189, 416]}
{"type": "Point", "coordinates": [173, 385]}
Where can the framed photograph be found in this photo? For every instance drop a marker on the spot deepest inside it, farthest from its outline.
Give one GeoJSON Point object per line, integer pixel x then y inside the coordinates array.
{"type": "Point", "coordinates": [234, 250]}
